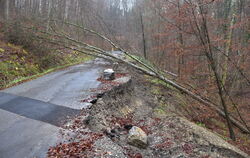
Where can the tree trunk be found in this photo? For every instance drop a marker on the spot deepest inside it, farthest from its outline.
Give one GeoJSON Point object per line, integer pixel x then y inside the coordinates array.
{"type": "Point", "coordinates": [48, 16]}
{"type": "Point", "coordinates": [143, 36]}
{"type": "Point", "coordinates": [205, 41]}
{"type": "Point", "coordinates": [181, 42]}
{"type": "Point", "coordinates": [228, 36]}
{"type": "Point", "coordinates": [138, 65]}
{"type": "Point", "coordinates": [7, 9]}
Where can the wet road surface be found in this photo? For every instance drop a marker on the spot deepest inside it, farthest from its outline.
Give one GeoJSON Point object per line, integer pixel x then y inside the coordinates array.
{"type": "Point", "coordinates": [31, 113]}
{"type": "Point", "coordinates": [35, 109]}
{"type": "Point", "coordinates": [66, 87]}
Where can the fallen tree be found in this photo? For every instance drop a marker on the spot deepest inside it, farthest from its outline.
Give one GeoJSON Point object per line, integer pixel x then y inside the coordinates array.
{"type": "Point", "coordinates": [62, 39]}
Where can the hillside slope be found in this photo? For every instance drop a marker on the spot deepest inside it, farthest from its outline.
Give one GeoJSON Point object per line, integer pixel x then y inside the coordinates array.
{"type": "Point", "coordinates": [18, 63]}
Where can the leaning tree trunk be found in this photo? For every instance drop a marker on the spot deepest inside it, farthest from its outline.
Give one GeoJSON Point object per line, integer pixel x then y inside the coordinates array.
{"type": "Point", "coordinates": [70, 43]}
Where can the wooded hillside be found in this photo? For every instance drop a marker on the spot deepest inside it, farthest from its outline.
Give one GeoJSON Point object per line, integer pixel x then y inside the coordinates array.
{"type": "Point", "coordinates": [200, 47]}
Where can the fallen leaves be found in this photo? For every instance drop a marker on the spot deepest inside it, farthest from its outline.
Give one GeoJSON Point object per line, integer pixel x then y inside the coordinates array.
{"type": "Point", "coordinates": [187, 148]}
{"type": "Point", "coordinates": [78, 149]}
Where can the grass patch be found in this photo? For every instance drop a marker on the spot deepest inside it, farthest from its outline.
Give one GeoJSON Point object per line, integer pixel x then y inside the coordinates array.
{"type": "Point", "coordinates": [160, 82]}
{"type": "Point", "coordinates": [160, 111]}
{"type": "Point", "coordinates": [156, 90]}
{"type": "Point", "coordinates": [181, 99]}
{"type": "Point", "coordinates": [28, 78]}
{"type": "Point", "coordinates": [25, 57]}
{"type": "Point", "coordinates": [19, 64]}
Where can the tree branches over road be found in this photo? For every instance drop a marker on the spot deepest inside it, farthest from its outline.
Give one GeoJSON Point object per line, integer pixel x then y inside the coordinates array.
{"type": "Point", "coordinates": [62, 38]}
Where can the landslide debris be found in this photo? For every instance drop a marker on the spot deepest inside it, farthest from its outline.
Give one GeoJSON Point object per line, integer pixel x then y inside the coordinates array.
{"type": "Point", "coordinates": [130, 105]}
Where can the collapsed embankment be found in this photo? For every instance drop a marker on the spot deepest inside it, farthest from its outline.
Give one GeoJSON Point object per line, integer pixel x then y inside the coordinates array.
{"type": "Point", "coordinates": [103, 130]}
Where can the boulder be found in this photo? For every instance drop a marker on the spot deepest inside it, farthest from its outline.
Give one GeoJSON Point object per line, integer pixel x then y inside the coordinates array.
{"type": "Point", "coordinates": [109, 74]}
{"type": "Point", "coordinates": [137, 137]}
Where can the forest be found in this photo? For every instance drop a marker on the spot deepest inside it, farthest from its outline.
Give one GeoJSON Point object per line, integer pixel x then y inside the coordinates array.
{"type": "Point", "coordinates": [200, 48]}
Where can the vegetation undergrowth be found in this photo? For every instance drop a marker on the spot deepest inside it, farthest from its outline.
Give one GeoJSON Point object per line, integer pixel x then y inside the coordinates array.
{"type": "Point", "coordinates": [179, 104]}
{"type": "Point", "coordinates": [23, 57]}
{"type": "Point", "coordinates": [39, 74]}
{"type": "Point", "coordinates": [160, 82]}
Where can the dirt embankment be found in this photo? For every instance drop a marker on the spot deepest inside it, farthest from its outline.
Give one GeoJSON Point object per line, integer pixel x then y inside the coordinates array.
{"type": "Point", "coordinates": [18, 64]}
{"type": "Point", "coordinates": [102, 130]}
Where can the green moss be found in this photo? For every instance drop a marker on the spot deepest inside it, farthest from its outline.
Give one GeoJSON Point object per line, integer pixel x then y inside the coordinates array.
{"type": "Point", "coordinates": [156, 90]}
{"type": "Point", "coordinates": [201, 124]}
{"type": "Point", "coordinates": [158, 82]}
{"type": "Point", "coordinates": [25, 52]}
{"type": "Point", "coordinates": [162, 83]}
{"type": "Point", "coordinates": [222, 136]}
{"type": "Point", "coordinates": [1, 50]}
{"type": "Point", "coordinates": [160, 111]}
{"type": "Point", "coordinates": [181, 99]}
{"type": "Point", "coordinates": [14, 46]}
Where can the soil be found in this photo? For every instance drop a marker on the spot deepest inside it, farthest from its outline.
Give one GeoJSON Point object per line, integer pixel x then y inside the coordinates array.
{"type": "Point", "coordinates": [101, 130]}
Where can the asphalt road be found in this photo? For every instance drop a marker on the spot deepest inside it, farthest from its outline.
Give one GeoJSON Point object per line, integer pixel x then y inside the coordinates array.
{"type": "Point", "coordinates": [31, 113]}
{"type": "Point", "coordinates": [65, 88]}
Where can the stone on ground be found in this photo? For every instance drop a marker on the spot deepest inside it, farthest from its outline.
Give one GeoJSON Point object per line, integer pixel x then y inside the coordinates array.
{"type": "Point", "coordinates": [109, 74]}
{"type": "Point", "coordinates": [137, 137]}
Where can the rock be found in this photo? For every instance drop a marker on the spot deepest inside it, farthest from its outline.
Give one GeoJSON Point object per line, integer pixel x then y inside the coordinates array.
{"type": "Point", "coordinates": [111, 133]}
{"type": "Point", "coordinates": [109, 74]}
{"type": "Point", "coordinates": [93, 101]}
{"type": "Point", "coordinates": [108, 133]}
{"type": "Point", "coordinates": [137, 137]}
{"type": "Point", "coordinates": [114, 131]}
{"type": "Point", "coordinates": [123, 80]}
{"type": "Point", "coordinates": [87, 119]}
